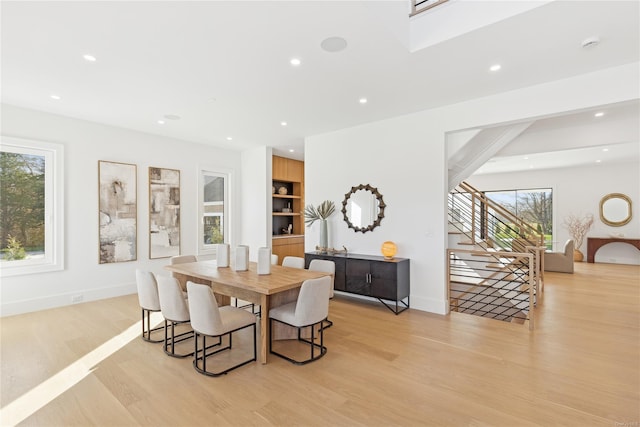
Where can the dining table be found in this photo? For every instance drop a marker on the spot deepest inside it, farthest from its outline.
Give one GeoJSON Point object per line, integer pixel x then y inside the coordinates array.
{"type": "Point", "coordinates": [279, 287]}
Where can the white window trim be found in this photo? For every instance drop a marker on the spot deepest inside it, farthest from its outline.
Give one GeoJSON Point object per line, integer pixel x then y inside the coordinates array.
{"type": "Point", "coordinates": [211, 249]}
{"type": "Point", "coordinates": [54, 206]}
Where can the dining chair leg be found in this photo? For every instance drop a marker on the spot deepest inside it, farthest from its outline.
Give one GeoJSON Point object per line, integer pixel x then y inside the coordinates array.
{"type": "Point", "coordinates": [175, 339]}
{"type": "Point", "coordinates": [146, 331]}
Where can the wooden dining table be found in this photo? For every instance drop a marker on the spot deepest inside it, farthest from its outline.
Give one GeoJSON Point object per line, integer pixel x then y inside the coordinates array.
{"type": "Point", "coordinates": [268, 290]}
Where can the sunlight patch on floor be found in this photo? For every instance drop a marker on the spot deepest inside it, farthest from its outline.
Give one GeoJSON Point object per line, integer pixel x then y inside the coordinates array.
{"type": "Point", "coordinates": [36, 398]}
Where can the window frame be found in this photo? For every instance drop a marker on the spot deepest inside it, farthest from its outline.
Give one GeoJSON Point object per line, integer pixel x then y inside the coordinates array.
{"type": "Point", "coordinates": [210, 249]}
{"type": "Point", "coordinates": [54, 206]}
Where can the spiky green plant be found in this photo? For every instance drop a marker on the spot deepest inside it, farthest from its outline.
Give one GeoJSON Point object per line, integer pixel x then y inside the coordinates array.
{"type": "Point", "coordinates": [323, 211]}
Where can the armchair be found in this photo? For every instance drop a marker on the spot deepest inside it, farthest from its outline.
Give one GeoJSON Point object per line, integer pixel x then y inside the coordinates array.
{"type": "Point", "coordinates": [561, 262]}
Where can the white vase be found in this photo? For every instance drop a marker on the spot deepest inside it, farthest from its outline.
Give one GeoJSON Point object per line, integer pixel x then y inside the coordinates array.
{"type": "Point", "coordinates": [324, 241]}
{"type": "Point", "coordinates": [264, 261]}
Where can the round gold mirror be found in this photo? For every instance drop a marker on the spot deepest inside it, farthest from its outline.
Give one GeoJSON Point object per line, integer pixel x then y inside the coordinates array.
{"type": "Point", "coordinates": [615, 209]}
{"type": "Point", "coordinates": [363, 208]}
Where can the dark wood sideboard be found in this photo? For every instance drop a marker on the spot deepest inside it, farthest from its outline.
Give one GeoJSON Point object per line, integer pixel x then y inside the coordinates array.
{"type": "Point", "coordinates": [374, 276]}
{"type": "Point", "coordinates": [595, 243]}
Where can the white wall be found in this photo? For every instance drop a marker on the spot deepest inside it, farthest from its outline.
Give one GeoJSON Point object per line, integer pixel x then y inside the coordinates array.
{"type": "Point", "coordinates": [85, 143]}
{"type": "Point", "coordinates": [256, 200]}
{"type": "Point", "coordinates": [578, 191]}
{"type": "Point", "coordinates": [404, 158]}
{"type": "Point", "coordinates": [393, 157]}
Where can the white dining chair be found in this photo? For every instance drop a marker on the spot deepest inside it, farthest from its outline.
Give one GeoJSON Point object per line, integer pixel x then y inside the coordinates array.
{"type": "Point", "coordinates": [310, 310]}
{"type": "Point", "coordinates": [149, 302]}
{"type": "Point", "coordinates": [209, 320]}
{"type": "Point", "coordinates": [324, 266]}
{"type": "Point", "coordinates": [293, 261]}
{"type": "Point", "coordinates": [329, 267]}
{"type": "Point", "coordinates": [182, 259]}
{"type": "Point", "coordinates": [175, 311]}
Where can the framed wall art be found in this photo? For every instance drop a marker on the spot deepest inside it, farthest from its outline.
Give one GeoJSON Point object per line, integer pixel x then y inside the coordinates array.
{"type": "Point", "coordinates": [164, 212]}
{"type": "Point", "coordinates": [118, 213]}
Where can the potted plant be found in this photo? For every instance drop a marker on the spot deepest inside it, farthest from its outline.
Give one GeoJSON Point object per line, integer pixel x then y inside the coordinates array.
{"type": "Point", "coordinates": [321, 213]}
{"type": "Point", "coordinates": [578, 228]}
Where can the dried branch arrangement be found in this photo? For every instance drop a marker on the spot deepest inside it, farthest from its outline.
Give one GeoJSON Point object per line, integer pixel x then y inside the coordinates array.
{"type": "Point", "coordinates": [324, 211]}
{"type": "Point", "coordinates": [578, 227]}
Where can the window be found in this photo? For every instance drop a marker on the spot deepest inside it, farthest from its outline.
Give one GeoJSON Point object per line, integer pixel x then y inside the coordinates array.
{"type": "Point", "coordinates": [534, 206]}
{"type": "Point", "coordinates": [214, 196]}
{"type": "Point", "coordinates": [31, 207]}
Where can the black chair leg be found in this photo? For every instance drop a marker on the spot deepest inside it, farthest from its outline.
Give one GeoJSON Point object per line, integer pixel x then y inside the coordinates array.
{"type": "Point", "coordinates": [175, 339]}
{"type": "Point", "coordinates": [203, 370]}
{"type": "Point", "coordinates": [146, 331]}
{"type": "Point", "coordinates": [311, 342]}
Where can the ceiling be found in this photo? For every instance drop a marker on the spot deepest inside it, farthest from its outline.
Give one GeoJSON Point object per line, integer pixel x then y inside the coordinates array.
{"type": "Point", "coordinates": [223, 67]}
{"type": "Point", "coordinates": [609, 134]}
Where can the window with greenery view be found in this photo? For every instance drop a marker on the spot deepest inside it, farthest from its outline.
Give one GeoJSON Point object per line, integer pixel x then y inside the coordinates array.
{"type": "Point", "coordinates": [534, 206]}
{"type": "Point", "coordinates": [213, 208]}
{"type": "Point", "coordinates": [30, 206]}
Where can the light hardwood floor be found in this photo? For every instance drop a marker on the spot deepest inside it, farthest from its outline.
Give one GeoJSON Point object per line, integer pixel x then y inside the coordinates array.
{"type": "Point", "coordinates": [579, 367]}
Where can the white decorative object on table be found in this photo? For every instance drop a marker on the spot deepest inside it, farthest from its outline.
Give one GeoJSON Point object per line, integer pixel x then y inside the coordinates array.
{"type": "Point", "coordinates": [264, 261]}
{"type": "Point", "coordinates": [222, 255]}
{"type": "Point", "coordinates": [242, 258]}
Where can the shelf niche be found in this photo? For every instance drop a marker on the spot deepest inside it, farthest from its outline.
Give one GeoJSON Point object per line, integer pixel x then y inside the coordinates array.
{"type": "Point", "coordinates": [287, 208]}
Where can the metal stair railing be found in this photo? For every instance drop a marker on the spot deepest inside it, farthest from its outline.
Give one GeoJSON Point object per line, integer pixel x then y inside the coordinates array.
{"type": "Point", "coordinates": [479, 218]}
{"type": "Point", "coordinates": [418, 6]}
{"type": "Point", "coordinates": [486, 213]}
{"type": "Point", "coordinates": [508, 293]}
{"type": "Point", "coordinates": [485, 282]}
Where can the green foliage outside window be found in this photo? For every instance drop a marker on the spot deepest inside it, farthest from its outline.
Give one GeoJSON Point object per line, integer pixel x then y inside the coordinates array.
{"type": "Point", "coordinates": [22, 202]}
{"type": "Point", "coordinates": [14, 250]}
{"type": "Point", "coordinates": [213, 233]}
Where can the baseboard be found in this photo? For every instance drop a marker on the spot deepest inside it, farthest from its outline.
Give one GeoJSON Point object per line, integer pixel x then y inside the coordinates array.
{"type": "Point", "coordinates": [61, 300]}
{"type": "Point", "coordinates": [430, 305]}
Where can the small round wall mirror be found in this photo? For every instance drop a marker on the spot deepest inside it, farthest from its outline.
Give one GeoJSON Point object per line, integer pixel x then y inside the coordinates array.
{"type": "Point", "coordinates": [615, 209]}
{"type": "Point", "coordinates": [363, 208]}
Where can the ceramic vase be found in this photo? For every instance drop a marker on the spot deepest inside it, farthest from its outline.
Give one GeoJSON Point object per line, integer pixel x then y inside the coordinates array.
{"type": "Point", "coordinates": [323, 235]}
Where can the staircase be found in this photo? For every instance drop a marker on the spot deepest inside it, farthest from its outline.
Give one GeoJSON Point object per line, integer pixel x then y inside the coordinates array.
{"type": "Point", "coordinates": [418, 6]}
{"type": "Point", "coordinates": [495, 259]}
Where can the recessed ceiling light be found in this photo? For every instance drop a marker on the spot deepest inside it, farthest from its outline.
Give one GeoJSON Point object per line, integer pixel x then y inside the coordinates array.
{"type": "Point", "coordinates": [291, 150]}
{"type": "Point", "coordinates": [526, 158]}
{"type": "Point", "coordinates": [295, 62]}
{"type": "Point", "coordinates": [89, 58]}
{"type": "Point", "coordinates": [495, 67]}
{"type": "Point", "coordinates": [283, 123]}
{"type": "Point", "coordinates": [363, 100]}
{"type": "Point", "coordinates": [171, 117]}
{"type": "Point", "coordinates": [333, 44]}
{"type": "Point", "coordinates": [160, 122]}
{"type": "Point", "coordinates": [598, 161]}
{"type": "Point", "coordinates": [56, 97]}
{"type": "Point", "coordinates": [599, 114]}
{"type": "Point", "coordinates": [605, 149]}
{"type": "Point", "coordinates": [229, 138]}
{"type": "Point", "coordinates": [530, 166]}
